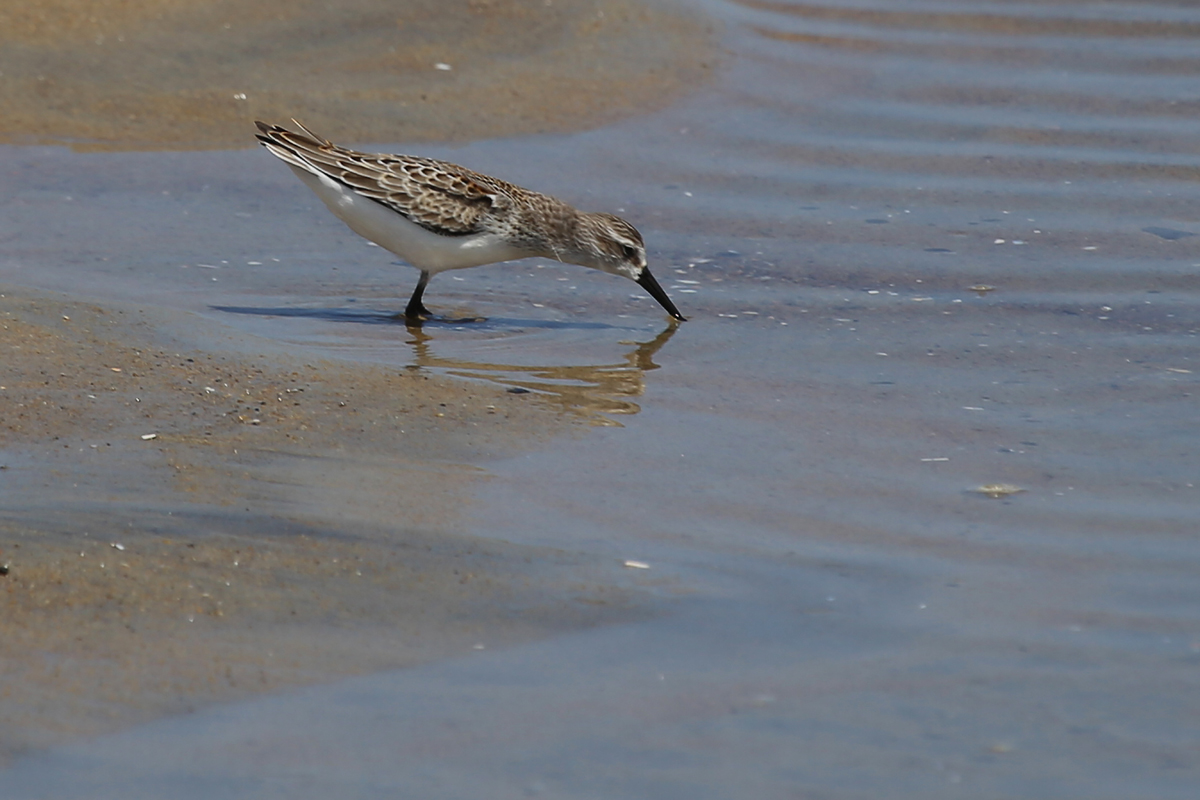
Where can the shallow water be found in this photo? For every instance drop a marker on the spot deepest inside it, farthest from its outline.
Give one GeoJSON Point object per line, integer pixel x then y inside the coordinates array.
{"type": "Point", "coordinates": [844, 614]}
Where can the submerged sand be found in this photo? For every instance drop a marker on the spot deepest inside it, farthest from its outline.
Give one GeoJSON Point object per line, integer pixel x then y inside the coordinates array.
{"type": "Point", "coordinates": [182, 526]}
{"type": "Point", "coordinates": [185, 527]}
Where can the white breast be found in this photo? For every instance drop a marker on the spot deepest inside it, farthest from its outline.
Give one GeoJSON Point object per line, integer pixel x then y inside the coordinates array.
{"type": "Point", "coordinates": [420, 247]}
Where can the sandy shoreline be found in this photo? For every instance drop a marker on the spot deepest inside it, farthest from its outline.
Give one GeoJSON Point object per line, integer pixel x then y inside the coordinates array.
{"type": "Point", "coordinates": [290, 522]}
{"type": "Point", "coordinates": [166, 74]}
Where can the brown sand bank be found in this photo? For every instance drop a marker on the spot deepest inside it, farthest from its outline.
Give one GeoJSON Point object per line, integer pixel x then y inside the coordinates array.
{"type": "Point", "coordinates": [189, 74]}
{"type": "Point", "coordinates": [291, 521]}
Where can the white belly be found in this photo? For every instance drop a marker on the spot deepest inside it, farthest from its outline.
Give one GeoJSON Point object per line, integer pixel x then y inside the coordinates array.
{"type": "Point", "coordinates": [424, 249]}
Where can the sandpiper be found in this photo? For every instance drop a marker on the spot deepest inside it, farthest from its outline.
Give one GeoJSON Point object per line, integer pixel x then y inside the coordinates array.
{"type": "Point", "coordinates": [439, 216]}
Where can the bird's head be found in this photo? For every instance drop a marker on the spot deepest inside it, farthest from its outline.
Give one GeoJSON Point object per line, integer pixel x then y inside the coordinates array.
{"type": "Point", "coordinates": [610, 244]}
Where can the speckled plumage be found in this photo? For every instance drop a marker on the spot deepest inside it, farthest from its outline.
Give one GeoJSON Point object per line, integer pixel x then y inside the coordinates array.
{"type": "Point", "coordinates": [440, 216]}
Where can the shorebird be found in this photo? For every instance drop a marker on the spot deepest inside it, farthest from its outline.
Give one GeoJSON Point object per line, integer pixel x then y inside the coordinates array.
{"type": "Point", "coordinates": [439, 216]}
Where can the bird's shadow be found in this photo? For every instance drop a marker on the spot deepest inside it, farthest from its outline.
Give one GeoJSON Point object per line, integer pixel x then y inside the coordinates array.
{"type": "Point", "coordinates": [371, 317]}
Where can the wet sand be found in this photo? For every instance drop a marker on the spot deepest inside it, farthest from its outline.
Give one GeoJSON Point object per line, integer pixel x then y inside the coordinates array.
{"type": "Point", "coordinates": [289, 522]}
{"type": "Point", "coordinates": [167, 74]}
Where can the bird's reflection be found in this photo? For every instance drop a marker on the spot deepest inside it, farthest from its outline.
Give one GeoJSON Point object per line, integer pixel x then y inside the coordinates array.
{"type": "Point", "coordinates": [590, 391]}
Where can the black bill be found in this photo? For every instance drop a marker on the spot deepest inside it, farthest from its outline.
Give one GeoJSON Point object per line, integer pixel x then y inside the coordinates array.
{"type": "Point", "coordinates": [647, 282]}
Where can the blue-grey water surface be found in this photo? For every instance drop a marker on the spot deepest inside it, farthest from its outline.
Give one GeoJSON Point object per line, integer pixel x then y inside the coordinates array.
{"type": "Point", "coordinates": [925, 247]}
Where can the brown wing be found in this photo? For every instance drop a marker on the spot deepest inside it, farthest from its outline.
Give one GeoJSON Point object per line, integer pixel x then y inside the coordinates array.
{"type": "Point", "coordinates": [437, 195]}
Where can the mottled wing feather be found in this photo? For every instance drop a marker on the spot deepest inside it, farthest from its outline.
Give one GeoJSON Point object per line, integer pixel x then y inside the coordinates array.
{"type": "Point", "coordinates": [438, 196]}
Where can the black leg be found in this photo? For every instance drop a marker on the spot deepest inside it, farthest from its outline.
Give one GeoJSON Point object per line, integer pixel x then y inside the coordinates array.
{"type": "Point", "coordinates": [416, 309]}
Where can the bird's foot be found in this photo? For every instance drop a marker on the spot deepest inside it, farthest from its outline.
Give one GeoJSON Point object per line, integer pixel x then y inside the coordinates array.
{"type": "Point", "coordinates": [419, 315]}
{"type": "Point", "coordinates": [414, 314]}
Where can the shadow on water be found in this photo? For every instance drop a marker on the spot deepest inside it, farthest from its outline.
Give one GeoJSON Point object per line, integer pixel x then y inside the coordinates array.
{"type": "Point", "coordinates": [372, 317]}
{"type": "Point", "coordinates": [591, 391]}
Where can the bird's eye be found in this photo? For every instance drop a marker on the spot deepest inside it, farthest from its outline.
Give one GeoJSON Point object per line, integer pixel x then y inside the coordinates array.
{"type": "Point", "coordinates": [629, 252]}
